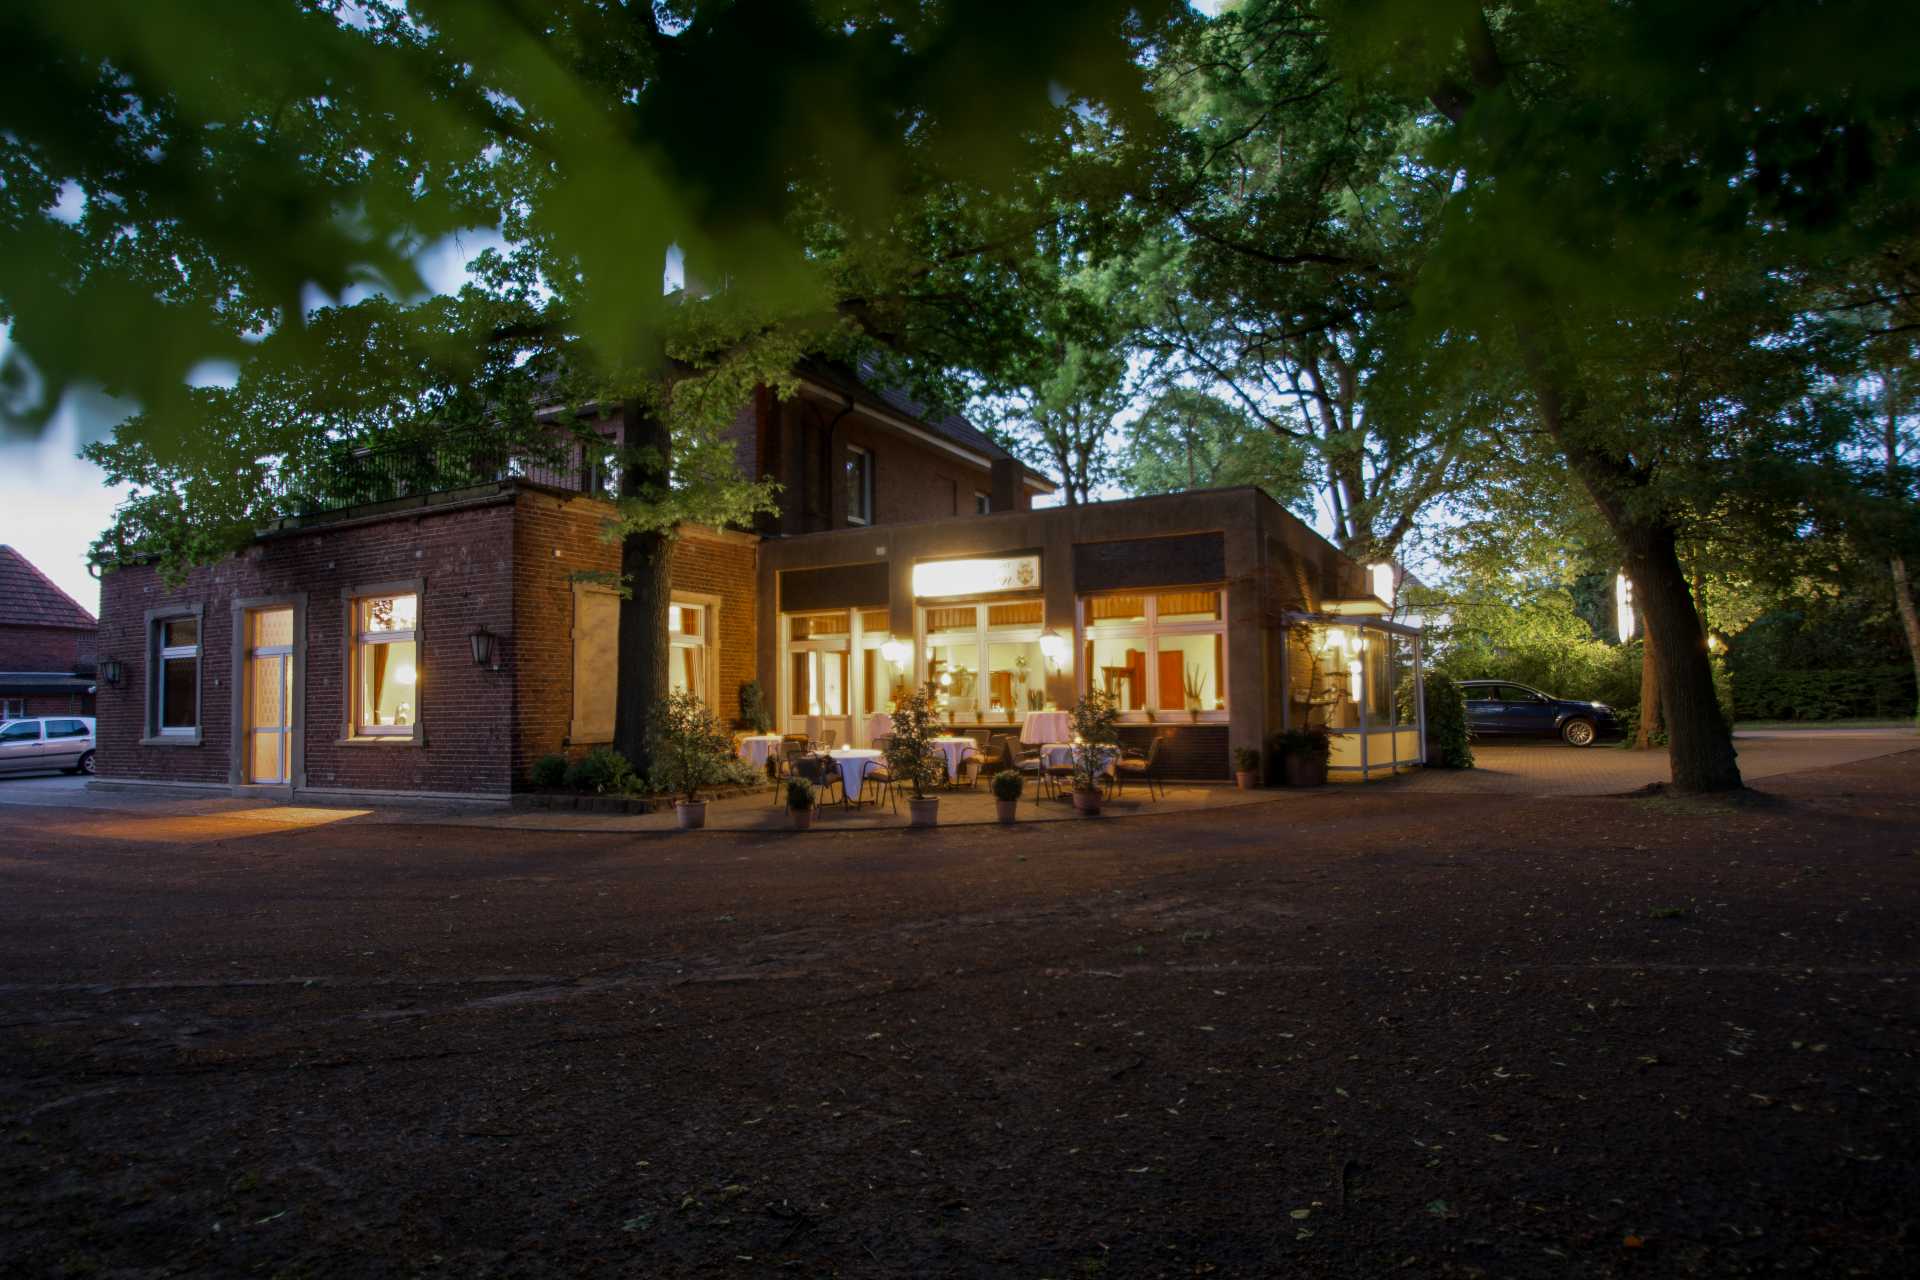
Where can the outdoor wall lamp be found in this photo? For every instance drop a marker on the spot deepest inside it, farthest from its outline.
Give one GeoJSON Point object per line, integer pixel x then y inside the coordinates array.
{"type": "Point", "coordinates": [110, 671]}
{"type": "Point", "coordinates": [1053, 646]}
{"type": "Point", "coordinates": [897, 652]}
{"type": "Point", "coordinates": [483, 642]}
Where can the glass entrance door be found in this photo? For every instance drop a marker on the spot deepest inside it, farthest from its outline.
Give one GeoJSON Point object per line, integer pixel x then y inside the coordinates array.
{"type": "Point", "coordinates": [269, 696]}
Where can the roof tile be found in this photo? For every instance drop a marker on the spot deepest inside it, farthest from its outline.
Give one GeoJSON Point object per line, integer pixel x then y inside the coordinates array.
{"type": "Point", "coordinates": [28, 597]}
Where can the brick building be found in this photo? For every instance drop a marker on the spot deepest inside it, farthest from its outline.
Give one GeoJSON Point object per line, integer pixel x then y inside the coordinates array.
{"type": "Point", "coordinates": [46, 644]}
{"type": "Point", "coordinates": [437, 642]}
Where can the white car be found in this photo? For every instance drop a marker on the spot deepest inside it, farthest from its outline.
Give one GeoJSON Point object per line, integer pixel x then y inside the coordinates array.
{"type": "Point", "coordinates": [47, 742]}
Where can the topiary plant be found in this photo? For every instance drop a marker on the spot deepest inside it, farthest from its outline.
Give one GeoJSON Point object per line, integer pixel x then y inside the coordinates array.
{"type": "Point", "coordinates": [548, 771]}
{"type": "Point", "coordinates": [799, 794]}
{"type": "Point", "coordinates": [1449, 738]}
{"type": "Point", "coordinates": [1007, 785]}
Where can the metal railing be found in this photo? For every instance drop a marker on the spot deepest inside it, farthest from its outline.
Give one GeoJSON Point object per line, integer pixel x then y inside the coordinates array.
{"type": "Point", "coordinates": [347, 476]}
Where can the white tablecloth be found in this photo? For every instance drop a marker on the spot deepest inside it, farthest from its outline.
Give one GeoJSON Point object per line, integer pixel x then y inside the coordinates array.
{"type": "Point", "coordinates": [1046, 726]}
{"type": "Point", "coordinates": [755, 750]}
{"type": "Point", "coordinates": [1060, 754]}
{"type": "Point", "coordinates": [853, 763]}
{"type": "Point", "coordinates": [879, 725]}
{"type": "Point", "coordinates": [955, 750]}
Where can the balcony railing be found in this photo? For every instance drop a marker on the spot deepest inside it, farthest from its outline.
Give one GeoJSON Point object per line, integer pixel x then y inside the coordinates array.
{"type": "Point", "coordinates": [348, 477]}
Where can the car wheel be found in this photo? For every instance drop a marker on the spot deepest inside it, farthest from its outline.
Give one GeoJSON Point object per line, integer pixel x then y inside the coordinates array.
{"type": "Point", "coordinates": [1577, 733]}
{"type": "Point", "coordinates": [86, 763]}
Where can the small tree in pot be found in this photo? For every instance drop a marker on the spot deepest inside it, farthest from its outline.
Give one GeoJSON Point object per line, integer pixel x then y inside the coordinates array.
{"type": "Point", "coordinates": [911, 756]}
{"type": "Point", "coordinates": [1246, 768]}
{"type": "Point", "coordinates": [1303, 754]}
{"type": "Point", "coordinates": [1007, 786]}
{"type": "Point", "coordinates": [1096, 733]}
{"type": "Point", "coordinates": [690, 751]}
{"type": "Point", "coordinates": [800, 803]}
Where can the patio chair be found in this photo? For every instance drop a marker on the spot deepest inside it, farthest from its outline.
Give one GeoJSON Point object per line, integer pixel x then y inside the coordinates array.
{"type": "Point", "coordinates": [793, 749]}
{"type": "Point", "coordinates": [880, 777]}
{"type": "Point", "coordinates": [824, 773]}
{"type": "Point", "coordinates": [829, 739]}
{"type": "Point", "coordinates": [1032, 764]}
{"type": "Point", "coordinates": [1132, 764]}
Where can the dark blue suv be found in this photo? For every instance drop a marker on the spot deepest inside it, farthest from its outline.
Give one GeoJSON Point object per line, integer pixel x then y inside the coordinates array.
{"type": "Point", "coordinates": [1501, 708]}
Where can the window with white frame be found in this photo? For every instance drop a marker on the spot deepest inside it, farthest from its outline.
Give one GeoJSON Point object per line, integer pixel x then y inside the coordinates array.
{"type": "Point", "coordinates": [175, 708]}
{"type": "Point", "coordinates": [984, 660]}
{"type": "Point", "coordinates": [12, 708]}
{"type": "Point", "coordinates": [859, 485]}
{"type": "Point", "coordinates": [1157, 652]}
{"type": "Point", "coordinates": [386, 665]}
{"type": "Point", "coordinates": [687, 631]}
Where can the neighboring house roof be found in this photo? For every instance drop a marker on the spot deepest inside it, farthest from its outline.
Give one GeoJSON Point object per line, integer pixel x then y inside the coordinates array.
{"type": "Point", "coordinates": [863, 384]}
{"type": "Point", "coordinates": [27, 684]}
{"type": "Point", "coordinates": [28, 597]}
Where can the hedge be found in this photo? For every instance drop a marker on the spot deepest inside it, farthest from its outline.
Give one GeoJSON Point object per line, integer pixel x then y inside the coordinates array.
{"type": "Point", "coordinates": [1829, 694]}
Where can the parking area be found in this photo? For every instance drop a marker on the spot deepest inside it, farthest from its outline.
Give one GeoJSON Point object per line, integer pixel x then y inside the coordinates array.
{"type": "Point", "coordinates": [1551, 768]}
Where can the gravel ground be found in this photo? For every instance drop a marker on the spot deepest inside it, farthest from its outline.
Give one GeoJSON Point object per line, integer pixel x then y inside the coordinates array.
{"type": "Point", "coordinates": [1386, 1032]}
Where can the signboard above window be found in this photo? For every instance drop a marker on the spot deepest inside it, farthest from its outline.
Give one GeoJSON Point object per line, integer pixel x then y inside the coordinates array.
{"type": "Point", "coordinates": [937, 578]}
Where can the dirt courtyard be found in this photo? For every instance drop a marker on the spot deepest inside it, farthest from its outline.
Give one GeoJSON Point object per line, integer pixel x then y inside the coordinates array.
{"type": "Point", "coordinates": [1384, 1032]}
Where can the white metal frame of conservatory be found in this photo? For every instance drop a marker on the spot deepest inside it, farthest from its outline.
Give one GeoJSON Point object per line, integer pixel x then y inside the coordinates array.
{"type": "Point", "coordinates": [1357, 753]}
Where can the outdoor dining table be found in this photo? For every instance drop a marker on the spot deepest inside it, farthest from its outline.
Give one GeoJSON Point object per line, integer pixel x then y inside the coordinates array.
{"type": "Point", "coordinates": [1059, 755]}
{"type": "Point", "coordinates": [853, 762]}
{"type": "Point", "coordinates": [1045, 726]}
{"type": "Point", "coordinates": [955, 749]}
{"type": "Point", "coordinates": [755, 748]}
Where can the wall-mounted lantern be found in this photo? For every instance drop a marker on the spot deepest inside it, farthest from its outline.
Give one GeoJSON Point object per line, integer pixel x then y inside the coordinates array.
{"type": "Point", "coordinates": [483, 642]}
{"type": "Point", "coordinates": [110, 671]}
{"type": "Point", "coordinates": [1053, 647]}
{"type": "Point", "coordinates": [896, 651]}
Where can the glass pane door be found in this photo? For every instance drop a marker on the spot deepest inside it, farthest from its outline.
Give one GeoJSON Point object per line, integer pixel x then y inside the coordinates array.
{"type": "Point", "coordinates": [269, 696]}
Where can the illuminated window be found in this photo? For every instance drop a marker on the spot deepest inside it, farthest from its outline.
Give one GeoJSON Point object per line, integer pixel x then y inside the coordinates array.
{"type": "Point", "coordinates": [386, 665]}
{"type": "Point", "coordinates": [1157, 653]}
{"type": "Point", "coordinates": [687, 635]}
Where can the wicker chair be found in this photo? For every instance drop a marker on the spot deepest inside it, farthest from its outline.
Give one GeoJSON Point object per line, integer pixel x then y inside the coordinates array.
{"type": "Point", "coordinates": [1132, 764]}
{"type": "Point", "coordinates": [829, 739]}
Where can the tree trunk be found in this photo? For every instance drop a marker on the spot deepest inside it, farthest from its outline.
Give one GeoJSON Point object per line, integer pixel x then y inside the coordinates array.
{"type": "Point", "coordinates": [645, 564]}
{"type": "Point", "coordinates": [1909, 620]}
{"type": "Point", "coordinates": [1649, 698]}
{"type": "Point", "coordinates": [1699, 743]}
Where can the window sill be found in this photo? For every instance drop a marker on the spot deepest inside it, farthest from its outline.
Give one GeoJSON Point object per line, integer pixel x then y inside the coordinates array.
{"type": "Point", "coordinates": [171, 740]}
{"type": "Point", "coordinates": [383, 740]}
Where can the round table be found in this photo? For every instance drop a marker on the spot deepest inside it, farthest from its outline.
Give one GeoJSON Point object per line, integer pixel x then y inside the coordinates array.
{"type": "Point", "coordinates": [755, 748]}
{"type": "Point", "coordinates": [1046, 726]}
{"type": "Point", "coordinates": [1059, 755]}
{"type": "Point", "coordinates": [853, 763]}
{"type": "Point", "coordinates": [955, 750]}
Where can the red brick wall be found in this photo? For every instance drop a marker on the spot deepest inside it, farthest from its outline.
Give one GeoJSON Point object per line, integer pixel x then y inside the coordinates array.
{"type": "Point", "coordinates": [44, 648]}
{"type": "Point", "coordinates": [51, 704]}
{"type": "Point", "coordinates": [465, 556]}
{"type": "Point", "coordinates": [723, 565]}
{"type": "Point", "coordinates": [911, 481]}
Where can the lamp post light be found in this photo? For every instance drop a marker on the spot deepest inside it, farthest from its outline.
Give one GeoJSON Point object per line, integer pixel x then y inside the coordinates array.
{"type": "Point", "coordinates": [1623, 604]}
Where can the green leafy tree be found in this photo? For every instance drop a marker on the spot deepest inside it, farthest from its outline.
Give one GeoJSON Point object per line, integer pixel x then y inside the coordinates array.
{"type": "Point", "coordinates": [1190, 439]}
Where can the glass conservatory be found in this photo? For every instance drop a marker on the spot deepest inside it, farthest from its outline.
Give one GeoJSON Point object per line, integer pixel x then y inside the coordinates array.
{"type": "Point", "coordinates": [1356, 674]}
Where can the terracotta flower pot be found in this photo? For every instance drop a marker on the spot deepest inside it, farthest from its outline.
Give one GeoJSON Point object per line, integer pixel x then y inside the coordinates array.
{"type": "Point", "coordinates": [1245, 779]}
{"type": "Point", "coordinates": [802, 818]}
{"type": "Point", "coordinates": [1087, 801]}
{"type": "Point", "coordinates": [923, 812]}
{"type": "Point", "coordinates": [1306, 771]}
{"type": "Point", "coordinates": [1007, 809]}
{"type": "Point", "coordinates": [692, 814]}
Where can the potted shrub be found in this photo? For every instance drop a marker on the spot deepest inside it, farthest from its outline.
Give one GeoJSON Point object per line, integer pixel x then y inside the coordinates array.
{"type": "Point", "coordinates": [690, 751]}
{"type": "Point", "coordinates": [911, 756]}
{"type": "Point", "coordinates": [1007, 786]}
{"type": "Point", "coordinates": [1096, 733]}
{"type": "Point", "coordinates": [800, 802]}
{"type": "Point", "coordinates": [1246, 768]}
{"type": "Point", "coordinates": [1303, 754]}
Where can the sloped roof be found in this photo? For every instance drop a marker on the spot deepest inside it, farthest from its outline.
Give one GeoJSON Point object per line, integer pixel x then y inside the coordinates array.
{"type": "Point", "coordinates": [863, 384]}
{"type": "Point", "coordinates": [28, 597]}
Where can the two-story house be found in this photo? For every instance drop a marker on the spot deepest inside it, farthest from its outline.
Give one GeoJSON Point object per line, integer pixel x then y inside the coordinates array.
{"type": "Point", "coordinates": [437, 641]}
